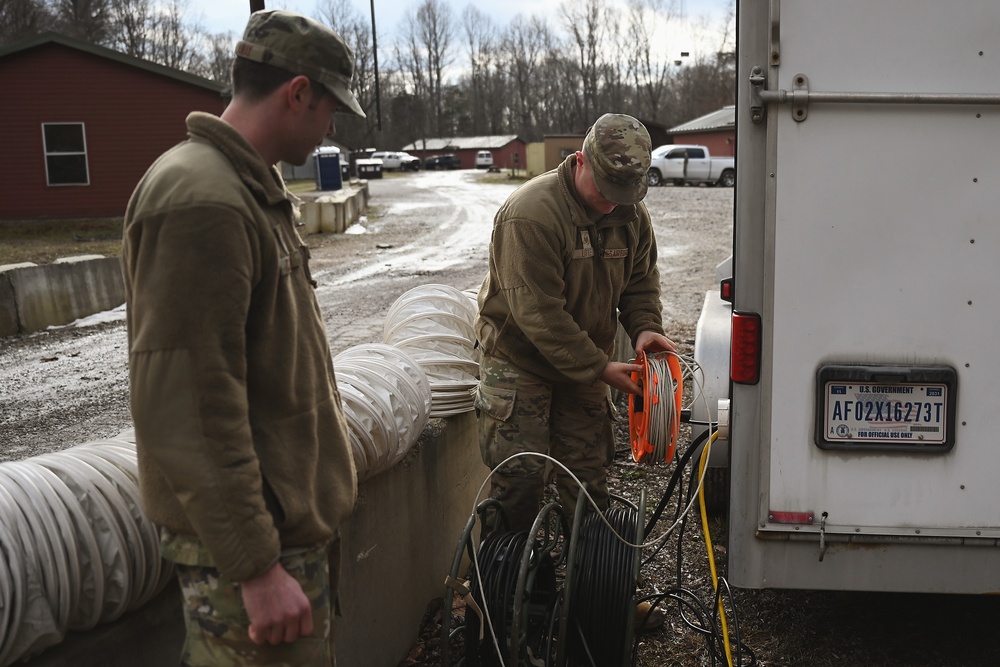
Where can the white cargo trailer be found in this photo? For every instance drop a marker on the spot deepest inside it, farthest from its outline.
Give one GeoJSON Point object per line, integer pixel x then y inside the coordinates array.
{"type": "Point", "coordinates": [863, 308]}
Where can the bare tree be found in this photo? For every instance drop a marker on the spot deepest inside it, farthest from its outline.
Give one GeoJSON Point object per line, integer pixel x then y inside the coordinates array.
{"type": "Point", "coordinates": [587, 23]}
{"type": "Point", "coordinates": [130, 28]}
{"type": "Point", "coordinates": [524, 44]}
{"type": "Point", "coordinates": [220, 53]}
{"type": "Point", "coordinates": [615, 91]}
{"type": "Point", "coordinates": [648, 66]}
{"type": "Point", "coordinates": [558, 83]}
{"type": "Point", "coordinates": [88, 20]}
{"type": "Point", "coordinates": [356, 30]}
{"type": "Point", "coordinates": [480, 40]}
{"type": "Point", "coordinates": [431, 31]}
{"type": "Point", "coordinates": [411, 103]}
{"type": "Point", "coordinates": [174, 44]}
{"type": "Point", "coordinates": [20, 19]}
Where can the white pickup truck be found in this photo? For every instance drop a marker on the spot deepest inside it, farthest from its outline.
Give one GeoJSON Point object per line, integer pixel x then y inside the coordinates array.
{"type": "Point", "coordinates": [689, 163]}
{"type": "Point", "coordinates": [397, 160]}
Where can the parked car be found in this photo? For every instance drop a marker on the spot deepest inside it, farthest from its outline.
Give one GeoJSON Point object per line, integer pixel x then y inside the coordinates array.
{"type": "Point", "coordinates": [484, 160]}
{"type": "Point", "coordinates": [397, 160]}
{"type": "Point", "coordinates": [448, 161]}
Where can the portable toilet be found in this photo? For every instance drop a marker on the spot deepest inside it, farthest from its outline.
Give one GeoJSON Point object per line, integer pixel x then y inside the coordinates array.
{"type": "Point", "coordinates": [328, 174]}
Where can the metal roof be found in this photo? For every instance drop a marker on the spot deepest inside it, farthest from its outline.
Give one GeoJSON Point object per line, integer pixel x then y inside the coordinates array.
{"type": "Point", "coordinates": [461, 143]}
{"type": "Point", "coordinates": [104, 52]}
{"type": "Point", "coordinates": [723, 119]}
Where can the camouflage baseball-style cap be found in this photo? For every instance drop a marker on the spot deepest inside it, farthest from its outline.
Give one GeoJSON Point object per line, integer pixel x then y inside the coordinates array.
{"type": "Point", "coordinates": [618, 149]}
{"type": "Point", "coordinates": [301, 45]}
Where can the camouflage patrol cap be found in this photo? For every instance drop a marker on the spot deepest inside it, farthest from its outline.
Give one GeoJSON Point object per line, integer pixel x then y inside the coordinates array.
{"type": "Point", "coordinates": [300, 45]}
{"type": "Point", "coordinates": [618, 149]}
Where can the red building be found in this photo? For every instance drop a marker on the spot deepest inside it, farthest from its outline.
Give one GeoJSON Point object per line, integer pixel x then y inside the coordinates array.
{"type": "Point", "coordinates": [82, 123]}
{"type": "Point", "coordinates": [716, 130]}
{"type": "Point", "coordinates": [508, 150]}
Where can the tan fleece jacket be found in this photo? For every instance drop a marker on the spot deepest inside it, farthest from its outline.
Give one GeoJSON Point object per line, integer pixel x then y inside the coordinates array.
{"type": "Point", "coordinates": [239, 426]}
{"type": "Point", "coordinates": [557, 281]}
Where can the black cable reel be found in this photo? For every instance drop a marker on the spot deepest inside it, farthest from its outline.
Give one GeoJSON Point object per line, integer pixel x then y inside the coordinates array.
{"type": "Point", "coordinates": [563, 597]}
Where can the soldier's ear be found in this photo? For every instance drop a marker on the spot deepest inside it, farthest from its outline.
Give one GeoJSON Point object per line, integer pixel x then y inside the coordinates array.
{"type": "Point", "coordinates": [297, 92]}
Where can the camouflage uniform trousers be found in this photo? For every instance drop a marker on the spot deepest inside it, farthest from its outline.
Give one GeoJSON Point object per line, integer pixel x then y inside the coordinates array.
{"type": "Point", "coordinates": [572, 423]}
{"type": "Point", "coordinates": [217, 624]}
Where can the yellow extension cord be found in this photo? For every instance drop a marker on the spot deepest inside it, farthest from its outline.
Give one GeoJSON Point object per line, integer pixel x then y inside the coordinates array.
{"type": "Point", "coordinates": [708, 543]}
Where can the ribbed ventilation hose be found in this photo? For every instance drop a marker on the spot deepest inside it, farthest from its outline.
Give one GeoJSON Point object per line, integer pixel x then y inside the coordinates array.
{"type": "Point", "coordinates": [76, 549]}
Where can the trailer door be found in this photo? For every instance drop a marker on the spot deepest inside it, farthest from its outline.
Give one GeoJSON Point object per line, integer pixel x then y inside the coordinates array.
{"type": "Point", "coordinates": [876, 240]}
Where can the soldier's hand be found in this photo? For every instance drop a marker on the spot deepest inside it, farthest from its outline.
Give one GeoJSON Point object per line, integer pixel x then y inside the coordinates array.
{"type": "Point", "coordinates": [650, 341]}
{"type": "Point", "coordinates": [278, 609]}
{"type": "Point", "coordinates": [619, 376]}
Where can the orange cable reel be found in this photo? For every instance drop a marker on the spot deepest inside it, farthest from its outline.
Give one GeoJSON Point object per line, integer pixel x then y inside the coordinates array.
{"type": "Point", "coordinates": [654, 417]}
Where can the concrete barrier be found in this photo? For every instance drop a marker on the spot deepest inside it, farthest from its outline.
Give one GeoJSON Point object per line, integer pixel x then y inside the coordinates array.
{"type": "Point", "coordinates": [34, 297]}
{"type": "Point", "coordinates": [333, 211]}
{"type": "Point", "coordinates": [62, 292]}
{"type": "Point", "coordinates": [398, 546]}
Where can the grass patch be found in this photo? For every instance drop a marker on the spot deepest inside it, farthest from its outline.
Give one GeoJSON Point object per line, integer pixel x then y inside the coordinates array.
{"type": "Point", "coordinates": [42, 241]}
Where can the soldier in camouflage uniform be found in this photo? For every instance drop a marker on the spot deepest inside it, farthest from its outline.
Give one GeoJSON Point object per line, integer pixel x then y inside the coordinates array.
{"type": "Point", "coordinates": [244, 458]}
{"type": "Point", "coordinates": [572, 254]}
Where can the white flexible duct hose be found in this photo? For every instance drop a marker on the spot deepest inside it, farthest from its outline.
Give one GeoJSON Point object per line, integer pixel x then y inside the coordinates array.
{"type": "Point", "coordinates": [77, 549]}
{"type": "Point", "coordinates": [434, 324]}
{"type": "Point", "coordinates": [386, 401]}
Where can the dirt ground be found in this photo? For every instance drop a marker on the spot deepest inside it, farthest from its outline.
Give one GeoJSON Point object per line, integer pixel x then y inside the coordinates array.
{"type": "Point", "coordinates": [69, 385]}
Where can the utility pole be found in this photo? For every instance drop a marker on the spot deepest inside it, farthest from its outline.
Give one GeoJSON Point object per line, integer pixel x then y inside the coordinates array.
{"type": "Point", "coordinates": [378, 100]}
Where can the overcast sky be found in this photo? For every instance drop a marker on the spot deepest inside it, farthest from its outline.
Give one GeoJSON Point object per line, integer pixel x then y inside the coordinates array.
{"type": "Point", "coordinates": [219, 16]}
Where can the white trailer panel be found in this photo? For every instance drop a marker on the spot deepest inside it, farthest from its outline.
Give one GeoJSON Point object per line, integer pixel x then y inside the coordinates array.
{"type": "Point", "coordinates": [867, 235]}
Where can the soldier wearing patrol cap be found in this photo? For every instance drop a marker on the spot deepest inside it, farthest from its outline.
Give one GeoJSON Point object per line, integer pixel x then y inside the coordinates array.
{"type": "Point", "coordinates": [572, 254]}
{"type": "Point", "coordinates": [300, 45]}
{"type": "Point", "coordinates": [244, 458]}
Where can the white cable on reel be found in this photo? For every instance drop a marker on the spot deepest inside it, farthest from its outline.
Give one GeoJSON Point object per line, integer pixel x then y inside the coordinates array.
{"type": "Point", "coordinates": [654, 417]}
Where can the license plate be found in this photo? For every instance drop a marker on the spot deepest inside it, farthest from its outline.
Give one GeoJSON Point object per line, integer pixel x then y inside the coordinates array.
{"type": "Point", "coordinates": [859, 409]}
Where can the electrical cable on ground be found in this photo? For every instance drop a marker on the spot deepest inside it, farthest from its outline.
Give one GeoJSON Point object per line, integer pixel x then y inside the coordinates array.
{"type": "Point", "coordinates": [711, 555]}
{"type": "Point", "coordinates": [606, 547]}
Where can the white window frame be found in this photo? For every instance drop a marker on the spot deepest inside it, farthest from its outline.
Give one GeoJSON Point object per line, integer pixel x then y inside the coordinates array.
{"type": "Point", "coordinates": [56, 154]}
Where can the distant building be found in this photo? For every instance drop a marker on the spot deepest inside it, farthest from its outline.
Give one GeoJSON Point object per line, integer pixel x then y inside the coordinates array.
{"type": "Point", "coordinates": [716, 130]}
{"type": "Point", "coordinates": [559, 146]}
{"type": "Point", "coordinates": [82, 123]}
{"type": "Point", "coordinates": [508, 149]}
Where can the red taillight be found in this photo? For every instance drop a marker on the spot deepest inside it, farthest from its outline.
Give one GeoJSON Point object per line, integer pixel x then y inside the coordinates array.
{"type": "Point", "coordinates": [744, 363]}
{"type": "Point", "coordinates": [726, 290]}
